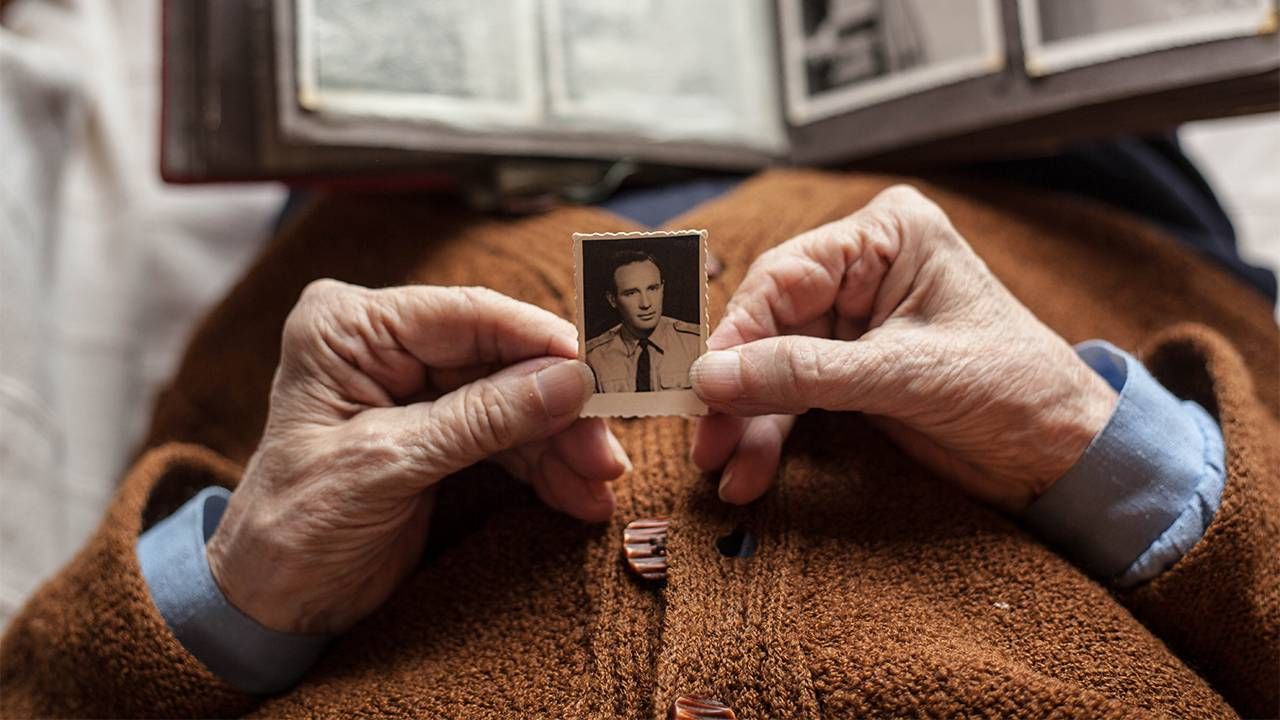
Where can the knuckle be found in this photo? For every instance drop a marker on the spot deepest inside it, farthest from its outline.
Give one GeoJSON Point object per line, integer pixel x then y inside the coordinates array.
{"type": "Point", "coordinates": [909, 201]}
{"type": "Point", "coordinates": [318, 299]}
{"type": "Point", "coordinates": [481, 292]}
{"type": "Point", "coordinates": [904, 212]}
{"type": "Point", "coordinates": [490, 421]}
{"type": "Point", "coordinates": [768, 257]}
{"type": "Point", "coordinates": [754, 317]}
{"type": "Point", "coordinates": [298, 328]}
{"type": "Point", "coordinates": [787, 376]}
{"type": "Point", "coordinates": [903, 194]}
{"type": "Point", "coordinates": [884, 226]}
{"type": "Point", "coordinates": [479, 296]}
{"type": "Point", "coordinates": [805, 368]}
{"type": "Point", "coordinates": [322, 289]}
{"type": "Point", "coordinates": [481, 303]}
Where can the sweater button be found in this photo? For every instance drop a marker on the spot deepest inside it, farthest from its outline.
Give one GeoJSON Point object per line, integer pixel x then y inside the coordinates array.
{"type": "Point", "coordinates": [692, 707]}
{"type": "Point", "coordinates": [644, 542]}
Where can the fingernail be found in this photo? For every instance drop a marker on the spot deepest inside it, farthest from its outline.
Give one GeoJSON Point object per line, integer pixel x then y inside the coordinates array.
{"type": "Point", "coordinates": [725, 479]}
{"type": "Point", "coordinates": [599, 491]}
{"type": "Point", "coordinates": [619, 453]}
{"type": "Point", "coordinates": [714, 266]}
{"type": "Point", "coordinates": [564, 346]}
{"type": "Point", "coordinates": [563, 387]}
{"type": "Point", "coordinates": [717, 376]}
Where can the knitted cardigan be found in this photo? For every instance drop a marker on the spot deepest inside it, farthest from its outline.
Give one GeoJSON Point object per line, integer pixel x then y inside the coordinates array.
{"type": "Point", "coordinates": [876, 589]}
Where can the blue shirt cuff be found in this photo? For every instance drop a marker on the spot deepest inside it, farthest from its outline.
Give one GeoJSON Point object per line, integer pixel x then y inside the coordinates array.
{"type": "Point", "coordinates": [1146, 488]}
{"type": "Point", "coordinates": [248, 656]}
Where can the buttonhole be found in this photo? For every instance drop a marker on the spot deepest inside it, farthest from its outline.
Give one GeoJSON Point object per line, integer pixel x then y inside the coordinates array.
{"type": "Point", "coordinates": [738, 544]}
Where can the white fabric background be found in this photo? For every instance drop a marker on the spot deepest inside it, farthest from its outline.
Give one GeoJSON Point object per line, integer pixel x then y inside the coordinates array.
{"type": "Point", "coordinates": [103, 270]}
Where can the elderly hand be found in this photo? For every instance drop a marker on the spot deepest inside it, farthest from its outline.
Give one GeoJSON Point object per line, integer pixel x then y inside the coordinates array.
{"type": "Point", "coordinates": [379, 395]}
{"type": "Point", "coordinates": [889, 312]}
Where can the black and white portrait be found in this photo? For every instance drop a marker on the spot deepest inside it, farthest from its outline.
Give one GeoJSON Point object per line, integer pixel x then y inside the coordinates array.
{"type": "Point", "coordinates": [843, 54]}
{"type": "Point", "coordinates": [850, 41]}
{"type": "Point", "coordinates": [641, 319]}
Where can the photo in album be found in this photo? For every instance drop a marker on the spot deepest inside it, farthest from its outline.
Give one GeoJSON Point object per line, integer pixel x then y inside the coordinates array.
{"type": "Point", "coordinates": [1063, 34]}
{"type": "Point", "coordinates": [840, 55]}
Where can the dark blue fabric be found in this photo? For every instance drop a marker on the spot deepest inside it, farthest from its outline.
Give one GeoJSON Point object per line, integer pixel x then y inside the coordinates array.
{"type": "Point", "coordinates": [654, 206]}
{"type": "Point", "coordinates": [1149, 177]}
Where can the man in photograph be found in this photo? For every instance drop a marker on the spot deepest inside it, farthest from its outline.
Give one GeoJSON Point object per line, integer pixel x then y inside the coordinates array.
{"type": "Point", "coordinates": [647, 350]}
{"type": "Point", "coordinates": [852, 41]}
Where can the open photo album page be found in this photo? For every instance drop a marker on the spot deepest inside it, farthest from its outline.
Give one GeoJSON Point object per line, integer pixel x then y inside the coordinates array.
{"type": "Point", "coordinates": [556, 66]}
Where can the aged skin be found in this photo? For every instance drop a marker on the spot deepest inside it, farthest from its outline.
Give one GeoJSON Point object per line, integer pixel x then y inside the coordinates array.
{"type": "Point", "coordinates": [382, 393]}
{"type": "Point", "coordinates": [889, 312]}
{"type": "Point", "coordinates": [333, 509]}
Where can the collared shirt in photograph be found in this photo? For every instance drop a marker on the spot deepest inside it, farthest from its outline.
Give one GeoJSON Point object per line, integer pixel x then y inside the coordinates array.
{"type": "Point", "coordinates": [615, 355]}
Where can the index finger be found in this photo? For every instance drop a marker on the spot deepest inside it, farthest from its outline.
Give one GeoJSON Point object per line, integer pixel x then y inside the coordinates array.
{"type": "Point", "coordinates": [377, 345]}
{"type": "Point", "coordinates": [833, 270]}
{"type": "Point", "coordinates": [453, 327]}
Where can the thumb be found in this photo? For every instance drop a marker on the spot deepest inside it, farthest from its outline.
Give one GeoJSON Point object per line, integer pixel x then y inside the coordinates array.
{"type": "Point", "coordinates": [528, 401]}
{"type": "Point", "coordinates": [794, 373]}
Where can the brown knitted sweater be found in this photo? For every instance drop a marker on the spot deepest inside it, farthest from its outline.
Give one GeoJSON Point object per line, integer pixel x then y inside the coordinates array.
{"type": "Point", "coordinates": [876, 590]}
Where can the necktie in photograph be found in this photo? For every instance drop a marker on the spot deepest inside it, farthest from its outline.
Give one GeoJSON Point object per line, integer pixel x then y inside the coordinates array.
{"type": "Point", "coordinates": [642, 368]}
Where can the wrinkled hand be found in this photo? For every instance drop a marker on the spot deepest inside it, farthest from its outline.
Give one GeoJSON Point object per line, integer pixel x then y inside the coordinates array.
{"type": "Point", "coordinates": [379, 395]}
{"type": "Point", "coordinates": [889, 312]}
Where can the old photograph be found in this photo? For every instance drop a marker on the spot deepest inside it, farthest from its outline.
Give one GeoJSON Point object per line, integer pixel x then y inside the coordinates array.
{"type": "Point", "coordinates": [641, 319]}
{"type": "Point", "coordinates": [840, 55]}
{"type": "Point", "coordinates": [1063, 34]}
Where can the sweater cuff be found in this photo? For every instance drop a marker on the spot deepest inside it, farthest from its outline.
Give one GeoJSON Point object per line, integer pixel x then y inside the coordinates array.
{"type": "Point", "coordinates": [248, 656]}
{"type": "Point", "coordinates": [1147, 486]}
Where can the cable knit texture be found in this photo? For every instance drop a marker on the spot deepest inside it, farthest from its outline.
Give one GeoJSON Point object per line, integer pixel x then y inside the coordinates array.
{"type": "Point", "coordinates": [875, 590]}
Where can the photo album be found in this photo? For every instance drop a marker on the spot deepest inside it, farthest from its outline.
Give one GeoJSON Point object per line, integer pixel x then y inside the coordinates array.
{"type": "Point", "coordinates": [332, 88]}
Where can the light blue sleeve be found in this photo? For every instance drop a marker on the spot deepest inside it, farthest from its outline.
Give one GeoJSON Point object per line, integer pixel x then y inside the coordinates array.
{"type": "Point", "coordinates": [249, 657]}
{"type": "Point", "coordinates": [1146, 488]}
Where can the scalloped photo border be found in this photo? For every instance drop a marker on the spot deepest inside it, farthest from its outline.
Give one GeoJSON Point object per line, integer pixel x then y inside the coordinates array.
{"type": "Point", "coordinates": [641, 404]}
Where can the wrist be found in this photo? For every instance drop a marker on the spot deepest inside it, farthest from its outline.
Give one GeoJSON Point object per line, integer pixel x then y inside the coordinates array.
{"type": "Point", "coordinates": [251, 576]}
{"type": "Point", "coordinates": [1145, 488]}
{"type": "Point", "coordinates": [1086, 411]}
